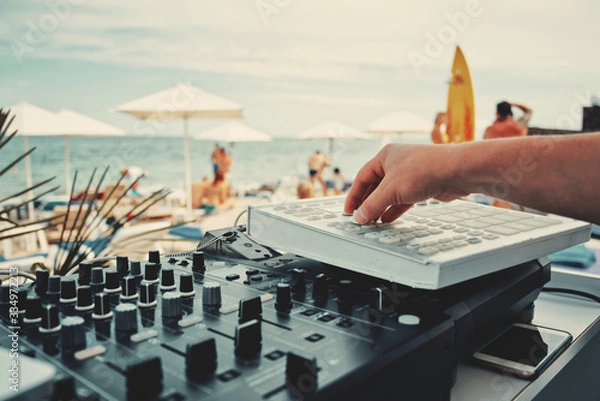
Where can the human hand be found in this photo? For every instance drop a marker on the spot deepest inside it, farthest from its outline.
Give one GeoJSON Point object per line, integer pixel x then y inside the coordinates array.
{"type": "Point", "coordinates": [399, 176]}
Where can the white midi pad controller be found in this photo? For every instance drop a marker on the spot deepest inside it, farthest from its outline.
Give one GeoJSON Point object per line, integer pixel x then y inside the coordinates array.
{"type": "Point", "coordinates": [434, 245]}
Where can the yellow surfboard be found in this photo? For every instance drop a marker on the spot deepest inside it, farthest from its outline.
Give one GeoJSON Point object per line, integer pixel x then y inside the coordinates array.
{"type": "Point", "coordinates": [461, 103]}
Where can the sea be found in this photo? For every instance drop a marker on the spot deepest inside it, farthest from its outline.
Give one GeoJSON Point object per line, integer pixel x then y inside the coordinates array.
{"type": "Point", "coordinates": [254, 163]}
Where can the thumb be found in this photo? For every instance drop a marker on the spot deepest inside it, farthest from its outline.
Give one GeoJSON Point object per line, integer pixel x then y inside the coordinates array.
{"type": "Point", "coordinates": [374, 205]}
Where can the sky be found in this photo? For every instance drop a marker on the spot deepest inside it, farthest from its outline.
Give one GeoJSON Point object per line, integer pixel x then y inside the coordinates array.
{"type": "Point", "coordinates": [291, 64]}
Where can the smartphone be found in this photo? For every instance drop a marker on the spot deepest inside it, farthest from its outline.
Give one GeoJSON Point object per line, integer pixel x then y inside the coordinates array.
{"type": "Point", "coordinates": [524, 350]}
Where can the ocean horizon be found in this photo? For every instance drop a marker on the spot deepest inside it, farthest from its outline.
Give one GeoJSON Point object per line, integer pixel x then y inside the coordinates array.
{"type": "Point", "coordinates": [163, 158]}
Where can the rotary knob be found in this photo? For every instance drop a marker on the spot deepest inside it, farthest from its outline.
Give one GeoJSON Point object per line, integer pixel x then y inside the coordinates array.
{"type": "Point", "coordinates": [85, 299]}
{"type": "Point", "coordinates": [85, 273]}
{"type": "Point", "coordinates": [211, 294]}
{"type": "Point", "coordinates": [72, 333]}
{"type": "Point", "coordinates": [53, 293]}
{"type": "Point", "coordinates": [154, 257]}
{"type": "Point", "coordinates": [320, 286]}
{"type": "Point", "coordinates": [283, 300]}
{"type": "Point", "coordinates": [126, 318]}
{"type": "Point", "coordinates": [167, 279]}
{"type": "Point", "coordinates": [102, 306]}
{"type": "Point", "coordinates": [33, 313]}
{"type": "Point", "coordinates": [122, 266]}
{"type": "Point", "coordinates": [147, 296]}
{"type": "Point", "coordinates": [171, 305]}
{"type": "Point", "coordinates": [198, 261]}
{"type": "Point", "coordinates": [41, 281]}
{"type": "Point", "coordinates": [186, 285]}
{"type": "Point", "coordinates": [136, 271]}
{"type": "Point", "coordinates": [151, 273]}
{"type": "Point", "coordinates": [97, 280]}
{"type": "Point", "coordinates": [129, 290]}
{"type": "Point", "coordinates": [50, 319]}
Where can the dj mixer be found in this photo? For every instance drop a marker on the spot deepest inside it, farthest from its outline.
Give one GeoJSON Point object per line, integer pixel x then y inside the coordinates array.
{"type": "Point", "coordinates": [236, 320]}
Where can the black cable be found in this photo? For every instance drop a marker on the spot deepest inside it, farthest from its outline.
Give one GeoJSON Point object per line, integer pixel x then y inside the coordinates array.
{"type": "Point", "coordinates": [572, 292]}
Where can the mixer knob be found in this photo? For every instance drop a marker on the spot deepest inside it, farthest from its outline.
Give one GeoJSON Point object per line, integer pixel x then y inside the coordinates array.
{"type": "Point", "coordinates": [147, 295]}
{"type": "Point", "coordinates": [126, 318]}
{"type": "Point", "coordinates": [320, 286]}
{"type": "Point", "coordinates": [154, 257]}
{"type": "Point", "coordinates": [151, 273]}
{"type": "Point", "coordinates": [186, 285]}
{"type": "Point", "coordinates": [249, 309]}
{"type": "Point", "coordinates": [33, 313]}
{"type": "Point", "coordinates": [102, 306]}
{"type": "Point", "coordinates": [85, 300]}
{"type": "Point", "coordinates": [299, 280]}
{"type": "Point", "coordinates": [41, 282]}
{"type": "Point", "coordinates": [248, 339]}
{"type": "Point", "coordinates": [53, 293]}
{"type": "Point", "coordinates": [167, 279]}
{"type": "Point", "coordinates": [211, 294]}
{"type": "Point", "coordinates": [128, 290]}
{"type": "Point", "coordinates": [50, 319]}
{"type": "Point", "coordinates": [345, 291]}
{"type": "Point", "coordinates": [136, 271]}
{"type": "Point", "coordinates": [68, 295]}
{"type": "Point", "coordinates": [198, 261]}
{"type": "Point", "coordinates": [171, 305]}
{"type": "Point", "coordinates": [301, 372]}
{"type": "Point", "coordinates": [122, 266]}
{"type": "Point", "coordinates": [201, 359]}
{"type": "Point", "coordinates": [283, 301]}
{"type": "Point", "coordinates": [97, 282]}
{"type": "Point", "coordinates": [85, 273]}
{"type": "Point", "coordinates": [72, 333]}
{"type": "Point", "coordinates": [22, 300]}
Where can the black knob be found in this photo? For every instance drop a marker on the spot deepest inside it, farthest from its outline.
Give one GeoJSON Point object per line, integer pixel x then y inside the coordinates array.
{"type": "Point", "coordinates": [186, 285]}
{"type": "Point", "coordinates": [167, 279]}
{"type": "Point", "coordinates": [301, 373]}
{"type": "Point", "coordinates": [102, 306]}
{"type": "Point", "coordinates": [171, 305]}
{"type": "Point", "coordinates": [33, 314]}
{"type": "Point", "coordinates": [320, 286]}
{"type": "Point", "coordinates": [198, 260]}
{"type": "Point", "coordinates": [151, 272]}
{"type": "Point", "coordinates": [248, 339]}
{"type": "Point", "coordinates": [201, 359]}
{"type": "Point", "coordinates": [72, 333]}
{"type": "Point", "coordinates": [53, 293]}
{"type": "Point", "coordinates": [129, 289]}
{"type": "Point", "coordinates": [249, 309]}
{"type": "Point", "coordinates": [41, 281]}
{"type": "Point", "coordinates": [97, 282]}
{"type": "Point", "coordinates": [211, 294]}
{"type": "Point", "coordinates": [154, 257]}
{"type": "Point", "coordinates": [345, 291]}
{"type": "Point", "coordinates": [85, 273]}
{"type": "Point", "coordinates": [283, 300]}
{"type": "Point", "coordinates": [50, 319]}
{"type": "Point", "coordinates": [147, 295]}
{"type": "Point", "coordinates": [22, 299]}
{"type": "Point", "coordinates": [136, 270]}
{"type": "Point", "coordinates": [299, 280]}
{"type": "Point", "coordinates": [85, 299]}
{"type": "Point", "coordinates": [112, 281]}
{"type": "Point", "coordinates": [126, 318]}
{"type": "Point", "coordinates": [64, 389]}
{"type": "Point", "coordinates": [68, 293]}
{"type": "Point", "coordinates": [122, 266]}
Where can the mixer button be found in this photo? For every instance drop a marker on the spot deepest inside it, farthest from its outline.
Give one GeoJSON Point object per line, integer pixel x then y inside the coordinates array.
{"type": "Point", "coordinates": [248, 339]}
{"type": "Point", "coordinates": [249, 309]}
{"type": "Point", "coordinates": [144, 379]}
{"type": "Point", "coordinates": [201, 359]}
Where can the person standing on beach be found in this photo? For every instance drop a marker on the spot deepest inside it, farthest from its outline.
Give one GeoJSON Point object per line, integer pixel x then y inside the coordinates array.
{"type": "Point", "coordinates": [339, 184]}
{"type": "Point", "coordinates": [316, 164]}
{"type": "Point", "coordinates": [505, 126]}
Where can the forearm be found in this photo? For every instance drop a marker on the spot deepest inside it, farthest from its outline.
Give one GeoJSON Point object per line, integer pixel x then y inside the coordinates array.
{"type": "Point", "coordinates": [557, 174]}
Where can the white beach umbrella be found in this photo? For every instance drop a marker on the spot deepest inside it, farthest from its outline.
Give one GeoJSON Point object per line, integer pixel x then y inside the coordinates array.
{"type": "Point", "coordinates": [30, 120]}
{"type": "Point", "coordinates": [332, 130]}
{"type": "Point", "coordinates": [232, 132]}
{"type": "Point", "coordinates": [399, 122]}
{"type": "Point", "coordinates": [182, 102]}
{"type": "Point", "coordinates": [72, 123]}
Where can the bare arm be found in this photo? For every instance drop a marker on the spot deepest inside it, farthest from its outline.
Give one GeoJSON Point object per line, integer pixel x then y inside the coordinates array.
{"type": "Point", "coordinates": [557, 174]}
{"type": "Point", "coordinates": [524, 119]}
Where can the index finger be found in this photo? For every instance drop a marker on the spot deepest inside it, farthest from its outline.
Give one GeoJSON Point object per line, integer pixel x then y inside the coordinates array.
{"type": "Point", "coordinates": [367, 179]}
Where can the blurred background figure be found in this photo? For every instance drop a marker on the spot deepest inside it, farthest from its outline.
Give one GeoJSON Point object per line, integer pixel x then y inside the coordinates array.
{"type": "Point", "coordinates": [212, 195]}
{"type": "Point", "coordinates": [438, 133]}
{"type": "Point", "coordinates": [131, 174]}
{"type": "Point", "coordinates": [505, 126]}
{"type": "Point", "coordinates": [317, 162]}
{"type": "Point", "coordinates": [305, 190]}
{"type": "Point", "coordinates": [339, 184]}
{"type": "Point", "coordinates": [215, 156]}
